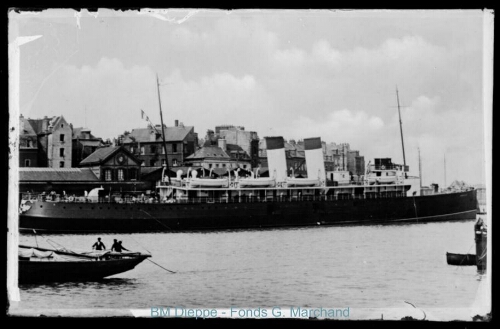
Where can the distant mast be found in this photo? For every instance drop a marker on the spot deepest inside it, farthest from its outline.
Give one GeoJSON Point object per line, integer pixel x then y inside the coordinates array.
{"type": "Point", "coordinates": [419, 167]}
{"type": "Point", "coordinates": [445, 170]}
{"type": "Point", "coordinates": [163, 130]}
{"type": "Point", "coordinates": [401, 130]}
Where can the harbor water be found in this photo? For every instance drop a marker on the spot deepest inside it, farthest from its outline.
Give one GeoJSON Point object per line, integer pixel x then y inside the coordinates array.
{"type": "Point", "coordinates": [356, 267]}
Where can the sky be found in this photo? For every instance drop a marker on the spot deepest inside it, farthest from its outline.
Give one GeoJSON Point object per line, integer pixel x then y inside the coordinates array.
{"type": "Point", "coordinates": [293, 73]}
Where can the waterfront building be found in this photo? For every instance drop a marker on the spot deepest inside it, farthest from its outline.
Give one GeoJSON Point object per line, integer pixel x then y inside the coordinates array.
{"type": "Point", "coordinates": [113, 163]}
{"type": "Point", "coordinates": [220, 158]}
{"type": "Point", "coordinates": [53, 142]}
{"type": "Point", "coordinates": [60, 180]}
{"type": "Point", "coordinates": [28, 144]}
{"type": "Point", "coordinates": [238, 138]}
{"type": "Point", "coordinates": [84, 144]}
{"type": "Point", "coordinates": [147, 144]}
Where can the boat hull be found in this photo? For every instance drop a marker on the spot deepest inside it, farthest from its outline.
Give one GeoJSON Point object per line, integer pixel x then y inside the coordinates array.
{"type": "Point", "coordinates": [111, 217]}
{"type": "Point", "coordinates": [56, 271]}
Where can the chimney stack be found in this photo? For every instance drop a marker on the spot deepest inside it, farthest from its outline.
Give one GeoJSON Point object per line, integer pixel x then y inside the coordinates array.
{"type": "Point", "coordinates": [177, 123]}
{"type": "Point", "coordinates": [45, 123]}
{"type": "Point", "coordinates": [276, 158]}
{"type": "Point", "coordinates": [222, 144]}
{"type": "Point", "coordinates": [314, 158]}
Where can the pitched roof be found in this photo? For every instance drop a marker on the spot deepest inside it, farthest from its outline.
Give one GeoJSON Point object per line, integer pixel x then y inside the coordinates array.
{"type": "Point", "coordinates": [56, 174]}
{"type": "Point", "coordinates": [172, 134]}
{"type": "Point", "coordinates": [236, 149]}
{"type": "Point", "coordinates": [100, 154]}
{"type": "Point", "coordinates": [37, 125]}
{"type": "Point", "coordinates": [148, 170]}
{"type": "Point", "coordinates": [26, 128]}
{"type": "Point", "coordinates": [212, 152]}
{"type": "Point", "coordinates": [87, 142]}
{"type": "Point", "coordinates": [77, 133]}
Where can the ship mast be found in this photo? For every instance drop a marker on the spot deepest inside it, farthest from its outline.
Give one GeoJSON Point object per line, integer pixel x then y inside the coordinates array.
{"type": "Point", "coordinates": [163, 130]}
{"type": "Point", "coordinates": [445, 170]}
{"type": "Point", "coordinates": [419, 167]}
{"type": "Point", "coordinates": [401, 130]}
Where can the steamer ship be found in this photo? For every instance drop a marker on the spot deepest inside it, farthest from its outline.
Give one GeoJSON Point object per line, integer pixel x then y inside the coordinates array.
{"type": "Point", "coordinates": [191, 203]}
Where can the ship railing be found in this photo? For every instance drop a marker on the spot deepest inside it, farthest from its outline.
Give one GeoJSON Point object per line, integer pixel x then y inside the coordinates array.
{"type": "Point", "coordinates": [257, 199]}
{"type": "Point", "coordinates": [224, 199]}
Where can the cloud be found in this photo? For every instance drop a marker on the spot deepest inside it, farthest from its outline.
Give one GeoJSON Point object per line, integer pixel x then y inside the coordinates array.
{"type": "Point", "coordinates": [274, 74]}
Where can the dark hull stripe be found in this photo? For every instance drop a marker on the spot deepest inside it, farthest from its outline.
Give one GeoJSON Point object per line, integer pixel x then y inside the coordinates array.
{"type": "Point", "coordinates": [66, 217]}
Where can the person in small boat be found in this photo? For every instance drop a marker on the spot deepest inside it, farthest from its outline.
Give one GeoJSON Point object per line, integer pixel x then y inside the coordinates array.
{"type": "Point", "coordinates": [117, 246]}
{"type": "Point", "coordinates": [99, 245]}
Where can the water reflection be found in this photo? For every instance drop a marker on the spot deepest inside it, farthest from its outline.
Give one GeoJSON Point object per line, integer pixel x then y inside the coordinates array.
{"type": "Point", "coordinates": [106, 283]}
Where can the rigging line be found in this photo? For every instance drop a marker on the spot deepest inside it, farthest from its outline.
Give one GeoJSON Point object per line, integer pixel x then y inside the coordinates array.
{"type": "Point", "coordinates": [155, 219]}
{"type": "Point", "coordinates": [151, 254]}
{"type": "Point", "coordinates": [140, 244]}
{"type": "Point", "coordinates": [160, 266]}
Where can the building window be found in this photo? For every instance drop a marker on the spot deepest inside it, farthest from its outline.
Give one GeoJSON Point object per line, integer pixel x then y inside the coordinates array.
{"type": "Point", "coordinates": [217, 165]}
{"type": "Point", "coordinates": [120, 174]}
{"type": "Point", "coordinates": [224, 165]}
{"type": "Point", "coordinates": [152, 163]}
{"type": "Point", "coordinates": [61, 137]}
{"type": "Point", "coordinates": [107, 175]}
{"type": "Point", "coordinates": [62, 125]}
{"type": "Point", "coordinates": [131, 173]}
{"type": "Point", "coordinates": [174, 162]}
{"type": "Point", "coordinates": [153, 148]}
{"type": "Point", "coordinates": [132, 149]}
{"type": "Point", "coordinates": [27, 163]}
{"type": "Point", "coordinates": [142, 149]}
{"type": "Point", "coordinates": [61, 164]}
{"type": "Point", "coordinates": [174, 148]}
{"type": "Point", "coordinates": [209, 165]}
{"type": "Point", "coordinates": [28, 143]}
{"type": "Point", "coordinates": [61, 152]}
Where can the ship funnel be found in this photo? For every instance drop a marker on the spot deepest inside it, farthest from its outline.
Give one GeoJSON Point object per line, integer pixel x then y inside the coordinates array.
{"type": "Point", "coordinates": [276, 158]}
{"type": "Point", "coordinates": [314, 158]}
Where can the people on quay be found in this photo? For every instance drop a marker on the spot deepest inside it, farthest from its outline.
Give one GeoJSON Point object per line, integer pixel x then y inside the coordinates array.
{"type": "Point", "coordinates": [99, 245]}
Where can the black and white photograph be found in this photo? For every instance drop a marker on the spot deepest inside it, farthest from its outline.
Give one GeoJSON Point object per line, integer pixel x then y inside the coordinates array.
{"type": "Point", "coordinates": [293, 164]}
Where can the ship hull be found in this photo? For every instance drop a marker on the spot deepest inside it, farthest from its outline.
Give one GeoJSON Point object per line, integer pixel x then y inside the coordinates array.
{"type": "Point", "coordinates": [53, 271]}
{"type": "Point", "coordinates": [62, 217]}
